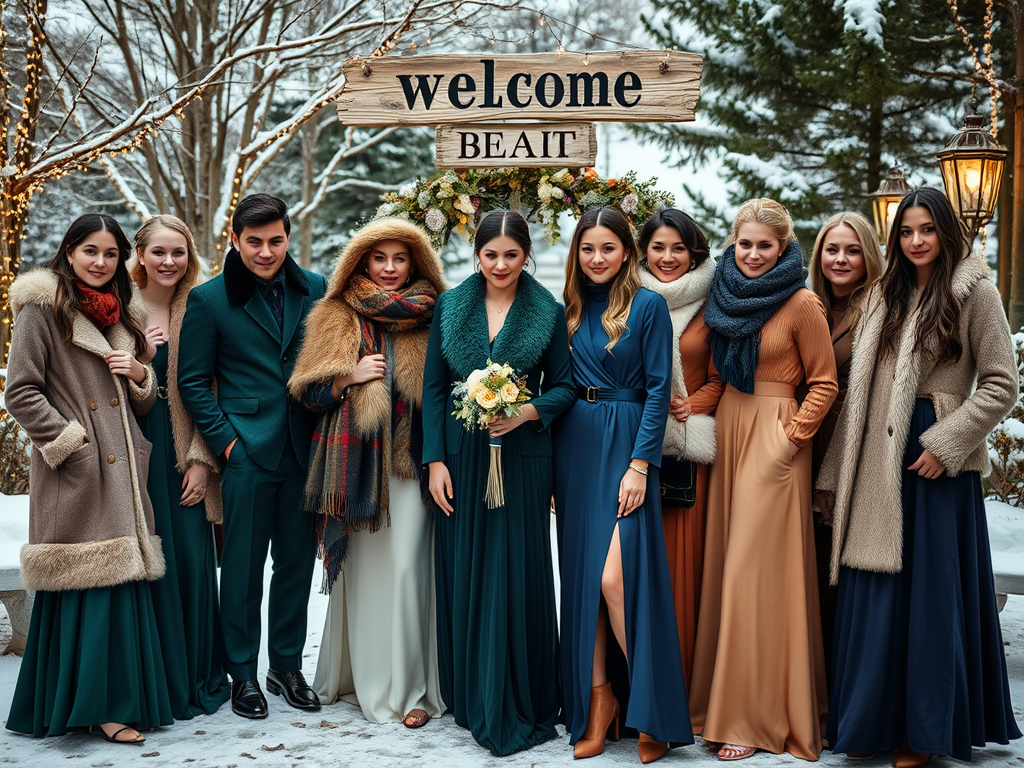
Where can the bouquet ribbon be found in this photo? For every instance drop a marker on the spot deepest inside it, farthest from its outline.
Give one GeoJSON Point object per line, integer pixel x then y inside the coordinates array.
{"type": "Point", "coordinates": [494, 496]}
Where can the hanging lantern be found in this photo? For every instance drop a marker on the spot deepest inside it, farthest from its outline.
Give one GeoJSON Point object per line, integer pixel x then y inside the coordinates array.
{"type": "Point", "coordinates": [886, 199]}
{"type": "Point", "coordinates": [972, 168]}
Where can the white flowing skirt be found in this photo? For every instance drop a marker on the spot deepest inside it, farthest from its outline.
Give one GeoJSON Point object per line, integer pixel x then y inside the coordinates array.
{"type": "Point", "coordinates": [379, 647]}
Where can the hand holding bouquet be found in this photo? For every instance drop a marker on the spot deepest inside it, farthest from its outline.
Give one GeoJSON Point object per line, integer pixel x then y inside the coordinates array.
{"type": "Point", "coordinates": [486, 394]}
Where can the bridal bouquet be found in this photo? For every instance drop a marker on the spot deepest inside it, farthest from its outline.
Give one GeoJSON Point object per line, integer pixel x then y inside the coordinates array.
{"type": "Point", "coordinates": [486, 394]}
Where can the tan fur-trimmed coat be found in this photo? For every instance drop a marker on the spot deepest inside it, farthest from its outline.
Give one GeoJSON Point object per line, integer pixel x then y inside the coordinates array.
{"type": "Point", "coordinates": [965, 414]}
{"type": "Point", "coordinates": [189, 446]}
{"type": "Point", "coordinates": [331, 343]}
{"type": "Point", "coordinates": [90, 519]}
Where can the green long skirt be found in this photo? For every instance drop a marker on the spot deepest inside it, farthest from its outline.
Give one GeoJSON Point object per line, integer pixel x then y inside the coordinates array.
{"type": "Point", "coordinates": [92, 656]}
{"type": "Point", "coordinates": [185, 599]}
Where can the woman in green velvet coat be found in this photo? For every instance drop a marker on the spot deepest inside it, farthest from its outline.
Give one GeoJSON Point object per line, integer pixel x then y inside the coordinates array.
{"type": "Point", "coordinates": [497, 630]}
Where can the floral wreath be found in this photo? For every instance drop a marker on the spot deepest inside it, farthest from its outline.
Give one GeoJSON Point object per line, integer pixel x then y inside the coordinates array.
{"type": "Point", "coordinates": [456, 200]}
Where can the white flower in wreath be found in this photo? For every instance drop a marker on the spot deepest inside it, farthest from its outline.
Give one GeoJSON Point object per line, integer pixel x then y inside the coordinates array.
{"type": "Point", "coordinates": [386, 209]}
{"type": "Point", "coordinates": [544, 192]}
{"type": "Point", "coordinates": [424, 199]}
{"type": "Point", "coordinates": [562, 178]}
{"type": "Point", "coordinates": [436, 220]}
{"type": "Point", "coordinates": [545, 216]}
{"type": "Point", "coordinates": [408, 191]}
{"type": "Point", "coordinates": [629, 203]}
{"type": "Point", "coordinates": [465, 204]}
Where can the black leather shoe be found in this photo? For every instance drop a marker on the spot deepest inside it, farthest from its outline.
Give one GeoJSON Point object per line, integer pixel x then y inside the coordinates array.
{"type": "Point", "coordinates": [294, 688]}
{"type": "Point", "coordinates": [247, 699]}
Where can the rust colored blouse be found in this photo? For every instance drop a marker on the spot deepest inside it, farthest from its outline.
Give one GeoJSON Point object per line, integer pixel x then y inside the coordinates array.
{"type": "Point", "coordinates": [796, 348]}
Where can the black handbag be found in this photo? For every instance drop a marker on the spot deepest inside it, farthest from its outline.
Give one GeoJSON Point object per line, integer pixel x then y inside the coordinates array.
{"type": "Point", "coordinates": [678, 482]}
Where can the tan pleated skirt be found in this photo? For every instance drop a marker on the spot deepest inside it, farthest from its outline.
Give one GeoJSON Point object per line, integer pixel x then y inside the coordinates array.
{"type": "Point", "coordinates": [759, 670]}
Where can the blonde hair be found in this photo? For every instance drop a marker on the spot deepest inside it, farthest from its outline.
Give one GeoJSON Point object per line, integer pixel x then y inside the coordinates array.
{"type": "Point", "coordinates": [767, 212]}
{"type": "Point", "coordinates": [624, 285]}
{"type": "Point", "coordinates": [874, 264]}
{"type": "Point", "coordinates": [145, 234]}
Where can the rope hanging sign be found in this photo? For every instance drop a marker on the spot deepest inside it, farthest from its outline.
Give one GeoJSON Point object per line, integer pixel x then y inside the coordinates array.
{"type": "Point", "coordinates": [465, 94]}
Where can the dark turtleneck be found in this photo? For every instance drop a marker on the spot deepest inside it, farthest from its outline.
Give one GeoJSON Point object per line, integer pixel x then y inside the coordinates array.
{"type": "Point", "coordinates": [598, 292]}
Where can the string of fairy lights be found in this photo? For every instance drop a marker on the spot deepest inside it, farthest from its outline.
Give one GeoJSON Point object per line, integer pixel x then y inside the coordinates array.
{"type": "Point", "coordinates": [986, 68]}
{"type": "Point", "coordinates": [18, 190]}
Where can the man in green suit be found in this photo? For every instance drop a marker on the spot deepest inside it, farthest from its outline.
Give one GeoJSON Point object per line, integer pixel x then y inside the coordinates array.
{"type": "Point", "coordinates": [241, 333]}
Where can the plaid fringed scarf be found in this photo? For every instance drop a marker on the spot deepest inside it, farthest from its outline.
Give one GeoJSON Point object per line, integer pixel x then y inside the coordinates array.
{"type": "Point", "coordinates": [347, 485]}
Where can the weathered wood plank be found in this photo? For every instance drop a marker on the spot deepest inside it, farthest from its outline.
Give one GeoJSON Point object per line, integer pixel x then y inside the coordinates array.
{"type": "Point", "coordinates": [627, 86]}
{"type": "Point", "coordinates": [516, 145]}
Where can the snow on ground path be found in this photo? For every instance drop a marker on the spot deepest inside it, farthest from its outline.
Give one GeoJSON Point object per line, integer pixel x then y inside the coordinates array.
{"type": "Point", "coordinates": [339, 737]}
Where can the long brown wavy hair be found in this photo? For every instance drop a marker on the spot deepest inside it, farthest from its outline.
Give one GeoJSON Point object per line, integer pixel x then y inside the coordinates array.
{"type": "Point", "coordinates": [624, 285]}
{"type": "Point", "coordinates": [935, 333]}
{"type": "Point", "coordinates": [66, 302]}
{"type": "Point", "coordinates": [874, 263]}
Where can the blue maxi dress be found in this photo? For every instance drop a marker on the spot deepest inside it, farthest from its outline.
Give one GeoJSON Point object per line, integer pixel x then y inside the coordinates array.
{"type": "Point", "coordinates": [594, 443]}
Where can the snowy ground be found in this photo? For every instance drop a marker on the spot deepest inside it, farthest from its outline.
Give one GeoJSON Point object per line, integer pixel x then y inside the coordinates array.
{"type": "Point", "coordinates": [339, 737]}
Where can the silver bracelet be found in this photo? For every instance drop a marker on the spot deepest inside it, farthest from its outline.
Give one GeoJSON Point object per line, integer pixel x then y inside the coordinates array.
{"type": "Point", "coordinates": [640, 470]}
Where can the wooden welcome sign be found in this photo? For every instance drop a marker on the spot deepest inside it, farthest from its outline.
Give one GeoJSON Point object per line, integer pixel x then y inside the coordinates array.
{"type": "Point", "coordinates": [567, 145]}
{"type": "Point", "coordinates": [451, 91]}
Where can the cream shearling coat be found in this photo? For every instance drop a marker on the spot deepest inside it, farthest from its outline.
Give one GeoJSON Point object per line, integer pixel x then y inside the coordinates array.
{"type": "Point", "coordinates": [970, 398]}
{"type": "Point", "coordinates": [90, 519]}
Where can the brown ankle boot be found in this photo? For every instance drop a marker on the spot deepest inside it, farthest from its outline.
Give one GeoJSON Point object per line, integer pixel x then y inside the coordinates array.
{"type": "Point", "coordinates": [906, 759]}
{"type": "Point", "coordinates": [649, 749]}
{"type": "Point", "coordinates": [603, 720]}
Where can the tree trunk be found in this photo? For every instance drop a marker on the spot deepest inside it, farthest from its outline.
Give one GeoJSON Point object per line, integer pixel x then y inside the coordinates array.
{"type": "Point", "coordinates": [13, 217]}
{"type": "Point", "coordinates": [307, 140]}
{"type": "Point", "coordinates": [875, 170]}
{"type": "Point", "coordinates": [1017, 280]}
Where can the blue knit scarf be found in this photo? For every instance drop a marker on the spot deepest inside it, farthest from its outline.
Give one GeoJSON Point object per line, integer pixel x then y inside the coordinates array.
{"type": "Point", "coordinates": [739, 306]}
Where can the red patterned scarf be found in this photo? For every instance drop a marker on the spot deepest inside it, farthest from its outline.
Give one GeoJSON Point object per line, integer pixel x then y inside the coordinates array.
{"type": "Point", "coordinates": [102, 307]}
{"type": "Point", "coordinates": [348, 481]}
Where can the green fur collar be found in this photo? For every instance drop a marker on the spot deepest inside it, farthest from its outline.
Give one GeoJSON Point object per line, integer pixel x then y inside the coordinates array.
{"type": "Point", "coordinates": [521, 340]}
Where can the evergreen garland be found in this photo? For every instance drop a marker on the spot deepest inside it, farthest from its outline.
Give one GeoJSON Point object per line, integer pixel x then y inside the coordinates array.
{"type": "Point", "coordinates": [454, 201]}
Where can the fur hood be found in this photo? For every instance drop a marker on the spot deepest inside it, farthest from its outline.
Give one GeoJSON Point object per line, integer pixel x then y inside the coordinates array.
{"type": "Point", "coordinates": [425, 263]}
{"type": "Point", "coordinates": [332, 338]}
{"type": "Point", "coordinates": [970, 397]}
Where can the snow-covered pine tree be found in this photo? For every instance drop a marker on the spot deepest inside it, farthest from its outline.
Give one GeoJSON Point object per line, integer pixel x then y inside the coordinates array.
{"type": "Point", "coordinates": [810, 101]}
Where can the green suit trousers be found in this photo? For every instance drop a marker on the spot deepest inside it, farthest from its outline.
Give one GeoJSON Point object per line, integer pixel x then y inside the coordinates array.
{"type": "Point", "coordinates": [264, 509]}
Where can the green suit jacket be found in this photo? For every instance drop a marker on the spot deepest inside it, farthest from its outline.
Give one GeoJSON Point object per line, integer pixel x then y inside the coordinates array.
{"type": "Point", "coordinates": [229, 336]}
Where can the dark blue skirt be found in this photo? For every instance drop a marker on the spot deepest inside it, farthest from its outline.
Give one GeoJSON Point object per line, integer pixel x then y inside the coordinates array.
{"type": "Point", "coordinates": [918, 658]}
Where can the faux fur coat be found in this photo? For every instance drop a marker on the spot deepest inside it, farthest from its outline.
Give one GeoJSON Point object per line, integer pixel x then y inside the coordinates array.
{"type": "Point", "coordinates": [872, 539]}
{"type": "Point", "coordinates": [90, 519]}
{"type": "Point", "coordinates": [332, 339]}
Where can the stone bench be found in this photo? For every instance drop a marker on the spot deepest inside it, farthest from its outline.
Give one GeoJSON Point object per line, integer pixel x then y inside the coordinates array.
{"type": "Point", "coordinates": [18, 602]}
{"type": "Point", "coordinates": [1006, 539]}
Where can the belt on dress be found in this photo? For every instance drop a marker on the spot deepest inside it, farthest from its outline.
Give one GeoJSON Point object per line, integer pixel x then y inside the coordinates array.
{"type": "Point", "coordinates": [767, 389]}
{"type": "Point", "coordinates": [593, 394]}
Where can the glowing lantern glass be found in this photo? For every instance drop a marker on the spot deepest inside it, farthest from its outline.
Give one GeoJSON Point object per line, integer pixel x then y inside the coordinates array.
{"type": "Point", "coordinates": [972, 169]}
{"type": "Point", "coordinates": [886, 199]}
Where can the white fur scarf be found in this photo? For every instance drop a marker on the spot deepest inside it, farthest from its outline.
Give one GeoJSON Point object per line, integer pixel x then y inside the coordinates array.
{"type": "Point", "coordinates": [693, 439]}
